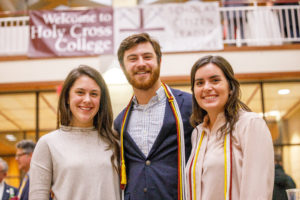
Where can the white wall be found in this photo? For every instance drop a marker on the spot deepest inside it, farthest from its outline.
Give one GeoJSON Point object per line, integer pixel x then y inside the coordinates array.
{"type": "Point", "coordinates": [42, 69]}
{"type": "Point", "coordinates": [172, 64]}
{"type": "Point", "coordinates": [241, 61]}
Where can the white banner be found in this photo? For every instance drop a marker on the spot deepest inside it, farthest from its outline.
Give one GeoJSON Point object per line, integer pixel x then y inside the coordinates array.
{"type": "Point", "coordinates": [192, 26]}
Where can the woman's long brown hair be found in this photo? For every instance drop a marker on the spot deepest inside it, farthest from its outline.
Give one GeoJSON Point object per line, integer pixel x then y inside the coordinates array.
{"type": "Point", "coordinates": [233, 104]}
{"type": "Point", "coordinates": [103, 120]}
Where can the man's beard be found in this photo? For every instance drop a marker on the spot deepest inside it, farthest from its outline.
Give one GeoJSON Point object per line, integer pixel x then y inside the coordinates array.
{"type": "Point", "coordinates": [144, 85]}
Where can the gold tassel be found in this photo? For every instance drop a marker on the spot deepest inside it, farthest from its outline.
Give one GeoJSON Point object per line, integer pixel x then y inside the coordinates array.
{"type": "Point", "coordinates": [123, 173]}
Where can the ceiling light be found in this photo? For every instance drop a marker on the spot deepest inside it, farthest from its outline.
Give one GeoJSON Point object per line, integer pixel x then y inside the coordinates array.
{"type": "Point", "coordinates": [105, 2]}
{"type": "Point", "coordinates": [273, 113]}
{"type": "Point", "coordinates": [283, 91]}
{"type": "Point", "coordinates": [114, 75]}
{"type": "Point", "coordinates": [10, 137]}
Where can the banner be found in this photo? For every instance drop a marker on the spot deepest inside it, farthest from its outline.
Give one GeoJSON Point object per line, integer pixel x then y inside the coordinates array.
{"type": "Point", "coordinates": [179, 27]}
{"type": "Point", "coordinates": [71, 32]}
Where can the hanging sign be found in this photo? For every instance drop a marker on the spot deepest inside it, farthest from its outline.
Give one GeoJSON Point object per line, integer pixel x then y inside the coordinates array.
{"type": "Point", "coordinates": [179, 27]}
{"type": "Point", "coordinates": [71, 32]}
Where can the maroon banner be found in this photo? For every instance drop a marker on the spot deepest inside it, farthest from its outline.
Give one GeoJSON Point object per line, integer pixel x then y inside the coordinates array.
{"type": "Point", "coordinates": [71, 33]}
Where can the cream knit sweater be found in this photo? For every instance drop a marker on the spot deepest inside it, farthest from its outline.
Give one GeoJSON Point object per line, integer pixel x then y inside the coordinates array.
{"type": "Point", "coordinates": [75, 164]}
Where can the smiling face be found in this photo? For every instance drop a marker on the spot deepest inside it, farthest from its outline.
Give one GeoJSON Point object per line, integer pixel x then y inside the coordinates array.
{"type": "Point", "coordinates": [141, 67]}
{"type": "Point", "coordinates": [84, 101]}
{"type": "Point", "coordinates": [211, 89]}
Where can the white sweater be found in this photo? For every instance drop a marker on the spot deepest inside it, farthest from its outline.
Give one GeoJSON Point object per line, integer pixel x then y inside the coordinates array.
{"type": "Point", "coordinates": [75, 164]}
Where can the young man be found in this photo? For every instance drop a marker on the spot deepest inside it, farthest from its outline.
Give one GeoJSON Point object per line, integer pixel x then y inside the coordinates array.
{"type": "Point", "coordinates": [6, 191]}
{"type": "Point", "coordinates": [154, 128]}
{"type": "Point", "coordinates": [23, 157]}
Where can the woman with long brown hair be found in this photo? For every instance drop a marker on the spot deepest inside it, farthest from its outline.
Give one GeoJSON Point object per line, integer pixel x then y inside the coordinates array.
{"type": "Point", "coordinates": [78, 160]}
{"type": "Point", "coordinates": [232, 151]}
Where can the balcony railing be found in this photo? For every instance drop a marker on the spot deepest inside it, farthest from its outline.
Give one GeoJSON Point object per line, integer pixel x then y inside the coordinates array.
{"type": "Point", "coordinates": [14, 35]}
{"type": "Point", "coordinates": [260, 25]}
{"type": "Point", "coordinates": [248, 25]}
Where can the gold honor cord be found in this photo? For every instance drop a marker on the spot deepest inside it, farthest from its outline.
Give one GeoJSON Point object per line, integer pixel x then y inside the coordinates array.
{"type": "Point", "coordinates": [123, 167]}
{"type": "Point", "coordinates": [227, 168]}
{"type": "Point", "coordinates": [194, 165]}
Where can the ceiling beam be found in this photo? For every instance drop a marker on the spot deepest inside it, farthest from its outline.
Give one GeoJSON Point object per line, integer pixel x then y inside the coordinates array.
{"type": "Point", "coordinates": [48, 103]}
{"type": "Point", "coordinates": [48, 4]}
{"type": "Point", "coordinates": [27, 131]}
{"type": "Point", "coordinates": [10, 120]}
{"type": "Point", "coordinates": [252, 95]}
{"type": "Point", "coordinates": [80, 3]}
{"type": "Point", "coordinates": [291, 110]}
{"type": "Point", "coordinates": [7, 5]}
{"type": "Point", "coordinates": [39, 5]}
{"type": "Point", "coordinates": [30, 86]}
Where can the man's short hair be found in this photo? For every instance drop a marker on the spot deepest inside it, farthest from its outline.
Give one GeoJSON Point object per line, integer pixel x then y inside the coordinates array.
{"type": "Point", "coordinates": [26, 145]}
{"type": "Point", "coordinates": [4, 165]}
{"type": "Point", "coordinates": [135, 39]}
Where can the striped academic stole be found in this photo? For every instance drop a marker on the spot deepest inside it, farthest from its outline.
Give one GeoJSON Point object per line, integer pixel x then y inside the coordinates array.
{"type": "Point", "coordinates": [180, 142]}
{"type": "Point", "coordinates": [227, 168]}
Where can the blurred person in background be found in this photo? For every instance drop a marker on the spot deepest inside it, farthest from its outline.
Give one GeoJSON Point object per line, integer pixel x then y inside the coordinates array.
{"type": "Point", "coordinates": [6, 191]}
{"type": "Point", "coordinates": [282, 180]}
{"type": "Point", "coordinates": [24, 152]}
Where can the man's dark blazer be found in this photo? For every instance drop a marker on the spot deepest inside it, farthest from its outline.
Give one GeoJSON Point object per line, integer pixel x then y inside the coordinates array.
{"type": "Point", "coordinates": [155, 177]}
{"type": "Point", "coordinates": [6, 191]}
{"type": "Point", "coordinates": [25, 192]}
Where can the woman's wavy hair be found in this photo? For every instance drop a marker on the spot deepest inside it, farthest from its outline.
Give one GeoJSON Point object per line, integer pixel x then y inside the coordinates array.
{"type": "Point", "coordinates": [233, 104]}
{"type": "Point", "coordinates": [103, 120]}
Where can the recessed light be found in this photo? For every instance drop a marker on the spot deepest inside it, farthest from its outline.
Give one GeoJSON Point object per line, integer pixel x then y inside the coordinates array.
{"type": "Point", "coordinates": [114, 75]}
{"type": "Point", "coordinates": [283, 91]}
{"type": "Point", "coordinates": [274, 113]}
{"type": "Point", "coordinates": [10, 137]}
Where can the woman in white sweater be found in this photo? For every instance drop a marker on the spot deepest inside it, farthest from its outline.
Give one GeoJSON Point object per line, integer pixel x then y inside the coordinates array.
{"type": "Point", "coordinates": [78, 160]}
